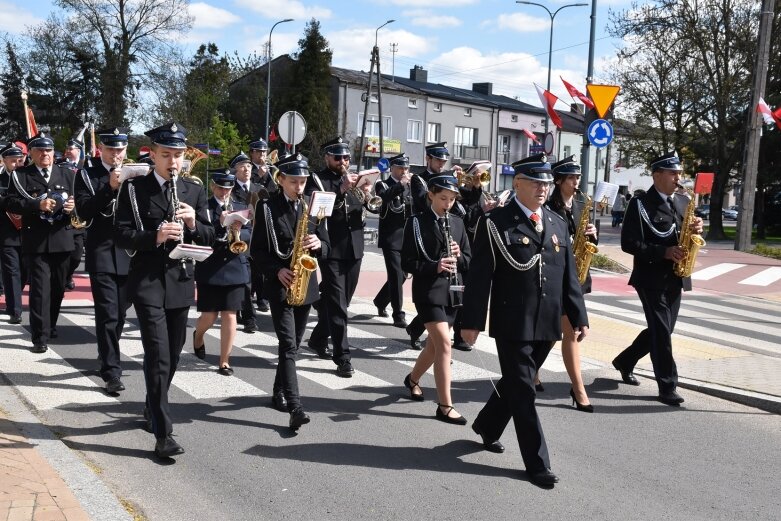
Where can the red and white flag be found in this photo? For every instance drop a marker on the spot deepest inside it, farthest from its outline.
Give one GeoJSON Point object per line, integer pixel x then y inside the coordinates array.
{"type": "Point", "coordinates": [576, 94]}
{"type": "Point", "coordinates": [548, 101]}
{"type": "Point", "coordinates": [32, 126]}
{"type": "Point", "coordinates": [769, 115]}
{"type": "Point", "coordinates": [531, 135]}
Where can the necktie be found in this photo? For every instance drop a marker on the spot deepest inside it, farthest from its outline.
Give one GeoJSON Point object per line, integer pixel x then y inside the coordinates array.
{"type": "Point", "coordinates": [45, 172]}
{"type": "Point", "coordinates": [675, 212]}
{"type": "Point", "coordinates": [293, 207]}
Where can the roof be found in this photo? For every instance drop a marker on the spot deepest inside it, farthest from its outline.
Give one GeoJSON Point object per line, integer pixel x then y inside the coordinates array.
{"type": "Point", "coordinates": [362, 78]}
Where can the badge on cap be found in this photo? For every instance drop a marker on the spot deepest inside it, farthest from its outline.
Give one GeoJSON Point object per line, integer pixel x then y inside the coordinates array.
{"type": "Point", "coordinates": [299, 158]}
{"type": "Point", "coordinates": [116, 131]}
{"type": "Point", "coordinates": [339, 140]}
{"type": "Point", "coordinates": [43, 134]}
{"type": "Point", "coordinates": [174, 128]}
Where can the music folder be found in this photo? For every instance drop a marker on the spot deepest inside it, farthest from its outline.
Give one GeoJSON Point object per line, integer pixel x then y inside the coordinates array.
{"type": "Point", "coordinates": [131, 170]}
{"type": "Point", "coordinates": [191, 251]}
{"type": "Point", "coordinates": [321, 204]}
{"type": "Point", "coordinates": [241, 216]}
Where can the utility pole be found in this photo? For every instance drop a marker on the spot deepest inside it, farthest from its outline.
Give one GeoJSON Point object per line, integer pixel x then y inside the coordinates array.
{"type": "Point", "coordinates": [754, 132]}
{"type": "Point", "coordinates": [394, 48]}
{"type": "Point", "coordinates": [585, 151]}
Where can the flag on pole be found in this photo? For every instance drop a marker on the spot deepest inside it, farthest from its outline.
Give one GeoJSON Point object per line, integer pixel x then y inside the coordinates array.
{"type": "Point", "coordinates": [548, 101]}
{"type": "Point", "coordinates": [272, 136]}
{"type": "Point", "coordinates": [576, 94]}
{"type": "Point", "coordinates": [531, 135]}
{"type": "Point", "coordinates": [31, 119]}
{"type": "Point", "coordinates": [769, 115]}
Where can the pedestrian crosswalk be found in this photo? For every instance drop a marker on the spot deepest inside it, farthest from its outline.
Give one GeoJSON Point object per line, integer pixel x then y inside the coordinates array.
{"type": "Point", "coordinates": [746, 274]}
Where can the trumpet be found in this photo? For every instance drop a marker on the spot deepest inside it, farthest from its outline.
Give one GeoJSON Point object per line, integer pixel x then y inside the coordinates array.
{"type": "Point", "coordinates": [468, 179]}
{"type": "Point", "coordinates": [235, 244]}
{"type": "Point", "coordinates": [372, 202]}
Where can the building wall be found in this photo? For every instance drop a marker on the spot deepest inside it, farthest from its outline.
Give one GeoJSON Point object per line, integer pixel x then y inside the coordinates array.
{"type": "Point", "coordinates": [452, 115]}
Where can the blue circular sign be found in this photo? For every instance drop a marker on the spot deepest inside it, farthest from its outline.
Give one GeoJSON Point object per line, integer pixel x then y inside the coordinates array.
{"type": "Point", "coordinates": [383, 164]}
{"type": "Point", "coordinates": [600, 133]}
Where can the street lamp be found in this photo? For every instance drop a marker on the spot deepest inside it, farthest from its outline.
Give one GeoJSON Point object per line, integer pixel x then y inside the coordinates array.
{"type": "Point", "coordinates": [268, 65]}
{"type": "Point", "coordinates": [378, 30]}
{"type": "Point", "coordinates": [550, 45]}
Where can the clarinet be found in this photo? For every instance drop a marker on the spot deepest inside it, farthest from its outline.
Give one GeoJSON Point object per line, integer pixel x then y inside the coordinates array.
{"type": "Point", "coordinates": [456, 288]}
{"type": "Point", "coordinates": [183, 275]}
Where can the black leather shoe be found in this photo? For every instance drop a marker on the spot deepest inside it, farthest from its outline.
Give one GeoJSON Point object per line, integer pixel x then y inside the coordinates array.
{"type": "Point", "coordinates": [167, 447]}
{"type": "Point", "coordinates": [414, 341]}
{"type": "Point", "coordinates": [322, 350]}
{"type": "Point", "coordinates": [250, 327]}
{"type": "Point", "coordinates": [460, 345]}
{"type": "Point", "coordinates": [225, 370]}
{"type": "Point", "coordinates": [445, 416]}
{"type": "Point", "coordinates": [345, 369]}
{"type": "Point", "coordinates": [382, 312]}
{"type": "Point", "coordinates": [298, 418]}
{"type": "Point", "coordinates": [39, 348]}
{"type": "Point", "coordinates": [543, 478]}
{"type": "Point", "coordinates": [70, 285]}
{"type": "Point", "coordinates": [626, 375]}
{"type": "Point", "coordinates": [263, 305]}
{"type": "Point", "coordinates": [279, 402]}
{"type": "Point", "coordinates": [539, 387]}
{"type": "Point", "coordinates": [491, 446]}
{"type": "Point", "coordinates": [16, 319]}
{"type": "Point", "coordinates": [114, 386]}
{"type": "Point", "coordinates": [199, 351]}
{"type": "Point", "coordinates": [399, 322]}
{"type": "Point", "coordinates": [53, 333]}
{"type": "Point", "coordinates": [410, 384]}
{"type": "Point", "coordinates": [670, 398]}
{"type": "Point", "coordinates": [148, 421]}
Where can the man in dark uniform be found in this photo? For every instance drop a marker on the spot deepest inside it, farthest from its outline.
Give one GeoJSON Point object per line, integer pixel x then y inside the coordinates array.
{"type": "Point", "coordinates": [96, 193]}
{"type": "Point", "coordinates": [522, 258]}
{"type": "Point", "coordinates": [71, 159]}
{"type": "Point", "coordinates": [650, 232]}
{"type": "Point", "coordinates": [40, 193]}
{"type": "Point", "coordinates": [396, 207]}
{"type": "Point", "coordinates": [14, 270]}
{"type": "Point", "coordinates": [273, 245]}
{"type": "Point", "coordinates": [341, 267]}
{"type": "Point", "coordinates": [261, 172]}
{"type": "Point", "coordinates": [151, 225]}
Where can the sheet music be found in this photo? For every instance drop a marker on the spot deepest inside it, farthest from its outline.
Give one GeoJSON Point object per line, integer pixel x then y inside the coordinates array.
{"type": "Point", "coordinates": [478, 167]}
{"type": "Point", "coordinates": [133, 170]}
{"type": "Point", "coordinates": [605, 192]}
{"type": "Point", "coordinates": [191, 251]}
{"type": "Point", "coordinates": [242, 216]}
{"type": "Point", "coordinates": [321, 202]}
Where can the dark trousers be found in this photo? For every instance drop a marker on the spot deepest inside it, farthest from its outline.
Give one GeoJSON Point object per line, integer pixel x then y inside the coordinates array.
{"type": "Point", "coordinates": [163, 333]}
{"type": "Point", "coordinates": [257, 285]}
{"type": "Point", "coordinates": [75, 258]}
{"type": "Point", "coordinates": [392, 292]}
{"type": "Point", "coordinates": [340, 278]}
{"type": "Point", "coordinates": [47, 288]}
{"type": "Point", "coordinates": [247, 315]}
{"type": "Point", "coordinates": [14, 278]}
{"type": "Point", "coordinates": [519, 362]}
{"type": "Point", "coordinates": [290, 324]}
{"type": "Point", "coordinates": [110, 297]}
{"type": "Point", "coordinates": [661, 311]}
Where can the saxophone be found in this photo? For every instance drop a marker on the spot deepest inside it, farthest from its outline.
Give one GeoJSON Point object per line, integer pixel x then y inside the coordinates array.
{"type": "Point", "coordinates": [689, 242]}
{"type": "Point", "coordinates": [582, 249]}
{"type": "Point", "coordinates": [301, 263]}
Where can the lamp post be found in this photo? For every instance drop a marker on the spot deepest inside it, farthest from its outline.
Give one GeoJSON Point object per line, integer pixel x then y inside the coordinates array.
{"type": "Point", "coordinates": [550, 44]}
{"type": "Point", "coordinates": [268, 65]}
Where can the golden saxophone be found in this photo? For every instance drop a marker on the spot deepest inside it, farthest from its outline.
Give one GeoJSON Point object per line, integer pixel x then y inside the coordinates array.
{"type": "Point", "coordinates": [301, 263]}
{"type": "Point", "coordinates": [582, 249]}
{"type": "Point", "coordinates": [235, 244]}
{"type": "Point", "coordinates": [689, 242]}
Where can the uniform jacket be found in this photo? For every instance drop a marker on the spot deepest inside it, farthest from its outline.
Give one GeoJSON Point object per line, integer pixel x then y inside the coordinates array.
{"type": "Point", "coordinates": [647, 217]}
{"type": "Point", "coordinates": [572, 219]}
{"type": "Point", "coordinates": [345, 225]}
{"type": "Point", "coordinates": [154, 278]}
{"type": "Point", "coordinates": [266, 181]}
{"type": "Point", "coordinates": [526, 304]}
{"type": "Point", "coordinates": [239, 193]}
{"type": "Point", "coordinates": [9, 235]}
{"type": "Point", "coordinates": [73, 172]}
{"type": "Point", "coordinates": [393, 213]}
{"type": "Point", "coordinates": [419, 190]}
{"type": "Point", "coordinates": [102, 255]}
{"type": "Point", "coordinates": [224, 268]}
{"type": "Point", "coordinates": [38, 235]}
{"type": "Point", "coordinates": [265, 255]}
{"type": "Point", "coordinates": [428, 286]}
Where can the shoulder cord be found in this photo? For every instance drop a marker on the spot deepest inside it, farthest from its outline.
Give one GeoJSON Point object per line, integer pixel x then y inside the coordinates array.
{"type": "Point", "coordinates": [496, 239]}
{"type": "Point", "coordinates": [645, 218]}
{"type": "Point", "coordinates": [419, 240]}
{"type": "Point", "coordinates": [136, 216]}
{"type": "Point", "coordinates": [273, 235]}
{"type": "Point", "coordinates": [22, 191]}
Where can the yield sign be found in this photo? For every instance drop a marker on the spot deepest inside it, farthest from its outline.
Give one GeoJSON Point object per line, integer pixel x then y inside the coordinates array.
{"type": "Point", "coordinates": [602, 96]}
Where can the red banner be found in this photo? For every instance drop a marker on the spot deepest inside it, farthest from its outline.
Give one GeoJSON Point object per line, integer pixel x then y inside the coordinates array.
{"type": "Point", "coordinates": [703, 182]}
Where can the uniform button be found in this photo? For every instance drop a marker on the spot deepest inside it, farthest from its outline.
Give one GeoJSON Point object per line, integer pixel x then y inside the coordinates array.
{"type": "Point", "coordinates": [545, 279]}
{"type": "Point", "coordinates": [543, 249]}
{"type": "Point", "coordinates": [543, 263]}
{"type": "Point", "coordinates": [544, 294]}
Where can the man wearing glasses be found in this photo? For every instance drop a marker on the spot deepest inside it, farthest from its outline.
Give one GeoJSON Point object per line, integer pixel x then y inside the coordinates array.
{"type": "Point", "coordinates": [340, 269]}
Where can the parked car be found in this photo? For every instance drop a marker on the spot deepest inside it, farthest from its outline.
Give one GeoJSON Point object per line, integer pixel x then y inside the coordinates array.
{"type": "Point", "coordinates": [731, 213]}
{"type": "Point", "coordinates": [702, 211]}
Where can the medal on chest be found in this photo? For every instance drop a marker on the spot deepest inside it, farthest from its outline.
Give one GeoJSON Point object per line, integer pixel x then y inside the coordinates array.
{"type": "Point", "coordinates": [555, 241]}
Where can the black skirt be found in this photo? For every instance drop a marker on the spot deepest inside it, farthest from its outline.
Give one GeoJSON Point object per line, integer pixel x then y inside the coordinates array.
{"type": "Point", "coordinates": [435, 313]}
{"type": "Point", "coordinates": [220, 298]}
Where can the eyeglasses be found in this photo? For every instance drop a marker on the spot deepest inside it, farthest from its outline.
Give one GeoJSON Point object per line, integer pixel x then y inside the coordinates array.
{"type": "Point", "coordinates": [342, 157]}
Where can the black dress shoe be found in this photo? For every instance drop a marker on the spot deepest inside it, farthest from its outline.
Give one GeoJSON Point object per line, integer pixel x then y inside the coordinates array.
{"type": "Point", "coordinates": [626, 375]}
{"type": "Point", "coordinates": [279, 402]}
{"type": "Point", "coordinates": [414, 341]}
{"type": "Point", "coordinates": [250, 327]}
{"type": "Point", "coordinates": [70, 285]}
{"type": "Point", "coordinates": [298, 418]}
{"type": "Point", "coordinates": [53, 333]}
{"type": "Point", "coordinates": [670, 398]}
{"type": "Point", "coordinates": [460, 345]}
{"type": "Point", "coordinates": [399, 322]}
{"type": "Point", "coordinates": [445, 416]}
{"type": "Point", "coordinates": [39, 348]}
{"type": "Point", "coordinates": [410, 384]}
{"type": "Point", "coordinates": [321, 350]}
{"type": "Point", "coordinates": [114, 386]}
{"type": "Point", "coordinates": [539, 387]}
{"type": "Point", "coordinates": [382, 312]}
{"type": "Point", "coordinates": [148, 421]}
{"type": "Point", "coordinates": [585, 407]}
{"type": "Point", "coordinates": [491, 446]}
{"type": "Point", "coordinates": [15, 319]}
{"type": "Point", "coordinates": [200, 351]}
{"type": "Point", "coordinates": [263, 305]}
{"type": "Point", "coordinates": [345, 369]}
{"type": "Point", "coordinates": [225, 370]}
{"type": "Point", "coordinates": [167, 447]}
{"type": "Point", "coordinates": [543, 478]}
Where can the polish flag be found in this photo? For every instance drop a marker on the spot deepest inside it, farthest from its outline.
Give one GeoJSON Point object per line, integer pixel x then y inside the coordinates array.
{"type": "Point", "coordinates": [531, 135]}
{"type": "Point", "coordinates": [272, 136]}
{"type": "Point", "coordinates": [768, 115]}
{"type": "Point", "coordinates": [548, 101]}
{"type": "Point", "coordinates": [576, 94]}
{"type": "Point", "coordinates": [31, 121]}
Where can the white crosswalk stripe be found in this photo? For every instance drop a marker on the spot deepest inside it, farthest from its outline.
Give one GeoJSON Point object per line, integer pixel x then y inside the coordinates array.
{"type": "Point", "coordinates": [765, 277]}
{"type": "Point", "coordinates": [711, 272]}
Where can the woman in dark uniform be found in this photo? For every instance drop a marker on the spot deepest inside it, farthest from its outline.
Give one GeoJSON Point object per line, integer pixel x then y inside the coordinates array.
{"type": "Point", "coordinates": [434, 267]}
{"type": "Point", "coordinates": [566, 177]}
{"type": "Point", "coordinates": [222, 277]}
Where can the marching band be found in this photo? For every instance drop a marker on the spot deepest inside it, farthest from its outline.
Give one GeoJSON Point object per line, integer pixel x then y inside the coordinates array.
{"type": "Point", "coordinates": [260, 233]}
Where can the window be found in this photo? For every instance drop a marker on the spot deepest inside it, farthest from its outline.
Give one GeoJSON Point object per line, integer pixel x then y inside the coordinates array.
{"type": "Point", "coordinates": [434, 133]}
{"type": "Point", "coordinates": [373, 125]}
{"type": "Point", "coordinates": [567, 150]}
{"type": "Point", "coordinates": [412, 103]}
{"type": "Point", "coordinates": [466, 136]}
{"type": "Point", "coordinates": [514, 118]}
{"type": "Point", "coordinates": [414, 130]}
{"type": "Point", "coordinates": [437, 107]}
{"type": "Point", "coordinates": [468, 112]}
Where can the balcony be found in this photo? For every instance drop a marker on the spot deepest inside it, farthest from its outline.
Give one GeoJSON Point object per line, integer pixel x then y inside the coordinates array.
{"type": "Point", "coordinates": [468, 153]}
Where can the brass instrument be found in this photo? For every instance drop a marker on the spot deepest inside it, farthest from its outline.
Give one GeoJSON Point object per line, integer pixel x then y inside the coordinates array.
{"type": "Point", "coordinates": [193, 155]}
{"type": "Point", "coordinates": [582, 249]}
{"type": "Point", "coordinates": [301, 263]}
{"type": "Point", "coordinates": [235, 244]}
{"type": "Point", "coordinates": [373, 202]}
{"type": "Point", "coordinates": [689, 242]}
{"type": "Point", "coordinates": [465, 179]}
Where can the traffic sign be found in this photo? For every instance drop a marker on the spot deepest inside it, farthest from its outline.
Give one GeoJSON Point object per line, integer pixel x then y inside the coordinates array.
{"type": "Point", "coordinates": [548, 142]}
{"type": "Point", "coordinates": [292, 127]}
{"type": "Point", "coordinates": [383, 164]}
{"type": "Point", "coordinates": [600, 133]}
{"type": "Point", "coordinates": [603, 97]}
